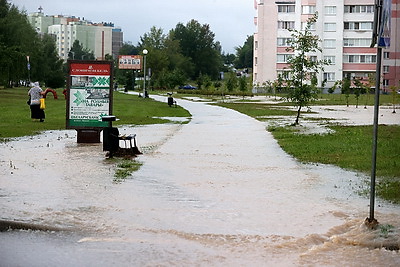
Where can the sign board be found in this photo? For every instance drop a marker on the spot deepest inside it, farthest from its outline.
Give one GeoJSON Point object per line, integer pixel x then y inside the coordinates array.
{"type": "Point", "coordinates": [89, 93]}
{"type": "Point", "coordinates": [385, 24]}
{"type": "Point", "coordinates": [130, 62]}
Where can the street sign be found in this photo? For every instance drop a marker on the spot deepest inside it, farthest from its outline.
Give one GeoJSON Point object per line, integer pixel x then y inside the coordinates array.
{"type": "Point", "coordinates": [130, 62]}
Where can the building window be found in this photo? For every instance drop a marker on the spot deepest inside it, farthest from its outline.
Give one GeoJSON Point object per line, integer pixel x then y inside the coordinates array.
{"type": "Point", "coordinates": [255, 61]}
{"type": "Point", "coordinates": [358, 25]}
{"type": "Point", "coordinates": [329, 43]}
{"type": "Point", "coordinates": [386, 55]}
{"type": "Point", "coordinates": [283, 58]}
{"type": "Point", "coordinates": [357, 42]}
{"type": "Point", "coordinates": [313, 58]}
{"type": "Point", "coordinates": [329, 76]}
{"type": "Point", "coordinates": [385, 69]}
{"type": "Point", "coordinates": [330, 10]}
{"type": "Point", "coordinates": [283, 41]}
{"type": "Point", "coordinates": [308, 9]}
{"type": "Point", "coordinates": [330, 27]}
{"type": "Point", "coordinates": [256, 45]}
{"type": "Point", "coordinates": [359, 9]}
{"type": "Point", "coordinates": [286, 25]}
{"type": "Point", "coordinates": [385, 82]}
{"type": "Point", "coordinates": [286, 8]}
{"type": "Point", "coordinates": [359, 59]}
{"type": "Point", "coordinates": [331, 59]}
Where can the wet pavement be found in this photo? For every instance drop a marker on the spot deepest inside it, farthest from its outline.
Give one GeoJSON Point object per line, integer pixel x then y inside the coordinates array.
{"type": "Point", "coordinates": [217, 191]}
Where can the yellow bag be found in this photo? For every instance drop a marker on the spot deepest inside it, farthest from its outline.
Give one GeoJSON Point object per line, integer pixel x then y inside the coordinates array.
{"type": "Point", "coordinates": [42, 104]}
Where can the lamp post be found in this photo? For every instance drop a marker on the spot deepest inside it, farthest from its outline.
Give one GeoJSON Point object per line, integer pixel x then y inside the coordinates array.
{"type": "Point", "coordinates": [144, 72]}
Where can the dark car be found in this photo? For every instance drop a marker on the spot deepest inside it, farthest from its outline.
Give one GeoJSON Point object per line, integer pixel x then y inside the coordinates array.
{"type": "Point", "coordinates": [187, 86]}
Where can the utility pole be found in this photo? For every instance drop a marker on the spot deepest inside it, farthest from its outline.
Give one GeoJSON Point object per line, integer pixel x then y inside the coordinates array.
{"type": "Point", "coordinates": [381, 37]}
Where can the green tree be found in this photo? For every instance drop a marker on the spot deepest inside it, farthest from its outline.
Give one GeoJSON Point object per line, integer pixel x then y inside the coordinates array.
{"type": "Point", "coordinates": [156, 59]}
{"type": "Point", "coordinates": [243, 85]}
{"type": "Point", "coordinates": [244, 54]}
{"type": "Point", "coordinates": [78, 52]}
{"type": "Point", "coordinates": [18, 40]}
{"type": "Point", "coordinates": [197, 43]}
{"type": "Point", "coordinates": [346, 84]}
{"type": "Point", "coordinates": [231, 82]}
{"type": "Point", "coordinates": [51, 66]}
{"type": "Point", "coordinates": [303, 68]}
{"type": "Point", "coordinates": [360, 88]}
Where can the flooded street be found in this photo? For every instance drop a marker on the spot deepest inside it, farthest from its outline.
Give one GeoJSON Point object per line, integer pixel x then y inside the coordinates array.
{"type": "Point", "coordinates": [218, 191]}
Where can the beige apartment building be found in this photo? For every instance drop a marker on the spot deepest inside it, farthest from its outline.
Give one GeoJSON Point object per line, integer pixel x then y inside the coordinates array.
{"type": "Point", "coordinates": [100, 38]}
{"type": "Point", "coordinates": [345, 29]}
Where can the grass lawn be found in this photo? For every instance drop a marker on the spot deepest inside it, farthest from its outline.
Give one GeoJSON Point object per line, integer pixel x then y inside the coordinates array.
{"type": "Point", "coordinates": [15, 113]}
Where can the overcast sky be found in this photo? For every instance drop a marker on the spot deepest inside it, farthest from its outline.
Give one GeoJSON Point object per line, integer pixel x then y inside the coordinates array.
{"type": "Point", "coordinates": [230, 20]}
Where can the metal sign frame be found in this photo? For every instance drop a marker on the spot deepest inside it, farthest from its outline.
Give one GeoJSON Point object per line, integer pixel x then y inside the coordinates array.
{"type": "Point", "coordinates": [89, 94]}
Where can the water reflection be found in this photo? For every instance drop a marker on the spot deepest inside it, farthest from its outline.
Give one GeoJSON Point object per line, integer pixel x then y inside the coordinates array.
{"type": "Point", "coordinates": [215, 191]}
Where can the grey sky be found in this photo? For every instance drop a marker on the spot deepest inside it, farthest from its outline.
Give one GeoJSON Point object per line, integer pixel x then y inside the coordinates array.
{"type": "Point", "coordinates": [230, 20]}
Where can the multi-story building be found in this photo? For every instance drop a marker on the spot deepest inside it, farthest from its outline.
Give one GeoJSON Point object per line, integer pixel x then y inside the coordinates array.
{"type": "Point", "coordinates": [100, 38]}
{"type": "Point", "coordinates": [345, 29]}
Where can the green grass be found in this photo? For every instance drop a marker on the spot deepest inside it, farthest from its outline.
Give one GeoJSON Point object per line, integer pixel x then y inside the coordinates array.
{"type": "Point", "coordinates": [259, 110]}
{"type": "Point", "coordinates": [15, 118]}
{"type": "Point", "coordinates": [125, 169]}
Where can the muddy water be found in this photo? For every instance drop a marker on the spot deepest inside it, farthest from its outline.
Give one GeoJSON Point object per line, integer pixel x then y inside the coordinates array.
{"type": "Point", "coordinates": [217, 191]}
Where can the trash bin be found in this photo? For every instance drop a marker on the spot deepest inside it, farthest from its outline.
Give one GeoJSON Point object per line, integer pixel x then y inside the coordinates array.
{"type": "Point", "coordinates": [170, 101]}
{"type": "Point", "coordinates": [110, 136]}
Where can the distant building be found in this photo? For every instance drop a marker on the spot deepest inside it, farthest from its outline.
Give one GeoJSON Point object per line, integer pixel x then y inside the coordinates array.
{"type": "Point", "coordinates": [100, 38]}
{"type": "Point", "coordinates": [345, 28]}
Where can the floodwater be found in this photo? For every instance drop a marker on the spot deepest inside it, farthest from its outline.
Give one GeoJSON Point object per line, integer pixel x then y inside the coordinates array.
{"type": "Point", "coordinates": [217, 191]}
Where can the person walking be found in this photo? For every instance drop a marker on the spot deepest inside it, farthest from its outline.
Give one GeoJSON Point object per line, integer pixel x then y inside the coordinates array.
{"type": "Point", "coordinates": [35, 94]}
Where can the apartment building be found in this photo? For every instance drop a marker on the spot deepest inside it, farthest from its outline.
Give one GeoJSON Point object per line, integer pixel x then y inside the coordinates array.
{"type": "Point", "coordinates": [345, 29]}
{"type": "Point", "coordinates": [100, 38]}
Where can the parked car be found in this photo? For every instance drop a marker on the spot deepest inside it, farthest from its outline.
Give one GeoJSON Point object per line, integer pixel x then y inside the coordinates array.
{"type": "Point", "coordinates": [187, 86]}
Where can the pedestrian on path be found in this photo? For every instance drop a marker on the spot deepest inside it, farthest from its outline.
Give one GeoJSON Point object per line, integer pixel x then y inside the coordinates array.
{"type": "Point", "coordinates": [35, 94]}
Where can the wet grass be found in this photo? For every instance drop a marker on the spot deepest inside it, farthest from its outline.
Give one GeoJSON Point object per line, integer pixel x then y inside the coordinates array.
{"type": "Point", "coordinates": [125, 168]}
{"type": "Point", "coordinates": [15, 118]}
{"type": "Point", "coordinates": [259, 110]}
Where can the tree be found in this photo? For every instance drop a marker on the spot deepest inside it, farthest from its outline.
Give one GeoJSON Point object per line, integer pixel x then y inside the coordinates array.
{"type": "Point", "coordinates": [20, 45]}
{"type": "Point", "coordinates": [51, 66]}
{"type": "Point", "coordinates": [360, 88]}
{"type": "Point", "coordinates": [197, 43]}
{"type": "Point", "coordinates": [244, 54]}
{"type": "Point", "coordinates": [18, 40]}
{"type": "Point", "coordinates": [156, 59]}
{"type": "Point", "coordinates": [243, 85]}
{"type": "Point", "coordinates": [303, 68]}
{"type": "Point", "coordinates": [79, 53]}
{"type": "Point", "coordinates": [231, 82]}
{"type": "Point", "coordinates": [346, 89]}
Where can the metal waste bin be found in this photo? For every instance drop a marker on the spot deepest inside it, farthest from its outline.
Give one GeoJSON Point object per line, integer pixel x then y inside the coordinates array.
{"type": "Point", "coordinates": [110, 136]}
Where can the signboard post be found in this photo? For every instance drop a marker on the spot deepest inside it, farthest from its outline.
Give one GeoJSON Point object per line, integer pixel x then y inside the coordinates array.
{"type": "Point", "coordinates": [89, 98]}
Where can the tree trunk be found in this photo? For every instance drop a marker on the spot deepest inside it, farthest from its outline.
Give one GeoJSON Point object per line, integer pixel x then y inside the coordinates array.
{"type": "Point", "coordinates": [298, 116]}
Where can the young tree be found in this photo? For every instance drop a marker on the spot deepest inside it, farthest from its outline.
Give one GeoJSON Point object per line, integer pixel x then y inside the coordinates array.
{"type": "Point", "coordinates": [243, 85]}
{"type": "Point", "coordinates": [360, 88]}
{"type": "Point", "coordinates": [303, 69]}
{"type": "Point", "coordinates": [231, 82]}
{"type": "Point", "coordinates": [346, 84]}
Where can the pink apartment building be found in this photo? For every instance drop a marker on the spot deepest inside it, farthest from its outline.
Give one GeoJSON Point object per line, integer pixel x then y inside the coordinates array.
{"type": "Point", "coordinates": [345, 29]}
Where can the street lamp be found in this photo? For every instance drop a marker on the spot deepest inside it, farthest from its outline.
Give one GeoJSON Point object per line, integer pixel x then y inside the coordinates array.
{"type": "Point", "coordinates": [144, 72]}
